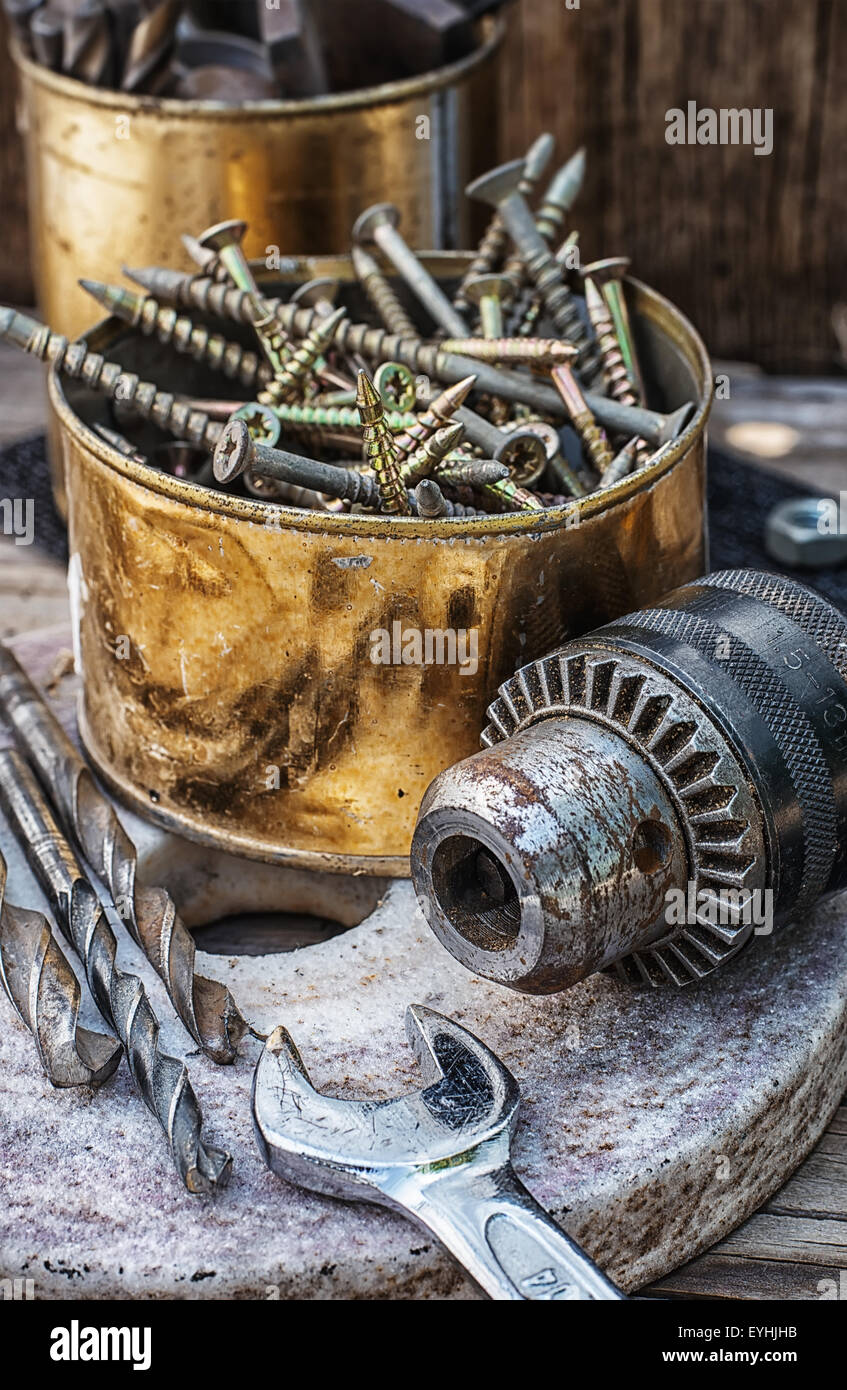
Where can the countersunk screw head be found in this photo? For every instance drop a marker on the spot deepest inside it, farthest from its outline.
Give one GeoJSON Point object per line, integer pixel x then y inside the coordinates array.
{"type": "Point", "coordinates": [233, 451]}
{"type": "Point", "coordinates": [612, 268]}
{"type": "Point", "coordinates": [222, 235]}
{"type": "Point", "coordinates": [314, 292]}
{"type": "Point", "coordinates": [379, 215]}
{"type": "Point", "coordinates": [492, 286]}
{"type": "Point", "coordinates": [496, 185]}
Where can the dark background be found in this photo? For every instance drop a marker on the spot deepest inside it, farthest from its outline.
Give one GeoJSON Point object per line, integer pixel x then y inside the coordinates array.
{"type": "Point", "coordinates": [752, 248]}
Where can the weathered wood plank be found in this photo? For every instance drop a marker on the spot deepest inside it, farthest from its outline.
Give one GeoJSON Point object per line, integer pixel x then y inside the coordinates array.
{"type": "Point", "coordinates": [721, 1276]}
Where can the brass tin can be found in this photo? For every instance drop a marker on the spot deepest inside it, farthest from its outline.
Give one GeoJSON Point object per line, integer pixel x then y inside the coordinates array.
{"type": "Point", "coordinates": [226, 647]}
{"type": "Point", "coordinates": [113, 178]}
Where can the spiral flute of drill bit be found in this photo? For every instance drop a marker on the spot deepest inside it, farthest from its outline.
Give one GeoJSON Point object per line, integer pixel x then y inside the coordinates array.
{"type": "Point", "coordinates": [45, 994]}
{"type": "Point", "coordinates": [424, 461]}
{"type": "Point", "coordinates": [593, 438]}
{"type": "Point", "coordinates": [109, 379]}
{"type": "Point", "coordinates": [121, 998]}
{"type": "Point", "coordinates": [149, 914]}
{"type": "Point", "coordinates": [163, 322]}
{"type": "Point", "coordinates": [381, 294]}
{"type": "Point", "coordinates": [299, 370]}
{"type": "Point", "coordinates": [379, 449]}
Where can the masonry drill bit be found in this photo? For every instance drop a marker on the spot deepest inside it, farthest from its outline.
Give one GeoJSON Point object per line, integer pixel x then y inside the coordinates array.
{"type": "Point", "coordinates": [583, 421]}
{"type": "Point", "coordinates": [163, 322]}
{"type": "Point", "coordinates": [77, 361]}
{"type": "Point", "coordinates": [299, 370]}
{"type": "Point", "coordinates": [173, 286]}
{"type": "Point", "coordinates": [45, 994]}
{"type": "Point", "coordinates": [440, 411]}
{"type": "Point", "coordinates": [120, 997]}
{"type": "Point", "coordinates": [491, 249]}
{"type": "Point", "coordinates": [424, 461]}
{"type": "Point", "coordinates": [381, 294]}
{"type": "Point", "coordinates": [206, 1007]}
{"type": "Point", "coordinates": [525, 352]}
{"type": "Point", "coordinates": [151, 44]}
{"type": "Point", "coordinates": [379, 449]}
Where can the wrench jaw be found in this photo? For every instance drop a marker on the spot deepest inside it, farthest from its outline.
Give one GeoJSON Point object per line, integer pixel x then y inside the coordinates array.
{"type": "Point", "coordinates": [469, 1092]}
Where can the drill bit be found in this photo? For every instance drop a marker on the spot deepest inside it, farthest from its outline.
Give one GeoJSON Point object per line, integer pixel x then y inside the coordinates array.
{"type": "Point", "coordinates": [206, 1007]}
{"type": "Point", "coordinates": [151, 44]}
{"type": "Point", "coordinates": [379, 449]}
{"type": "Point", "coordinates": [45, 994]}
{"type": "Point", "coordinates": [120, 997]}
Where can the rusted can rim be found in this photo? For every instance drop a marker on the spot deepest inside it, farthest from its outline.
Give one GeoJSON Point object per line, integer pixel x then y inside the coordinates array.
{"type": "Point", "coordinates": [493, 30]}
{"type": "Point", "coordinates": [648, 303]}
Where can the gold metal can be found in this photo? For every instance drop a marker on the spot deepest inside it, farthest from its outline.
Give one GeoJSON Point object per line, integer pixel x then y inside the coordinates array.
{"type": "Point", "coordinates": [113, 178]}
{"type": "Point", "coordinates": [244, 667]}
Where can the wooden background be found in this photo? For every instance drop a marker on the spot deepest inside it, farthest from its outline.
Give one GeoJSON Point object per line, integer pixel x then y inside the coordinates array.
{"type": "Point", "coordinates": [750, 247]}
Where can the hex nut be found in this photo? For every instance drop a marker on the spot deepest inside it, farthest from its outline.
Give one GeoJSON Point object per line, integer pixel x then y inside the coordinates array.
{"type": "Point", "coordinates": [804, 533]}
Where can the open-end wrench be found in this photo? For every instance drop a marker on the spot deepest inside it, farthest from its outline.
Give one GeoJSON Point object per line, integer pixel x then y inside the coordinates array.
{"type": "Point", "coordinates": [441, 1155]}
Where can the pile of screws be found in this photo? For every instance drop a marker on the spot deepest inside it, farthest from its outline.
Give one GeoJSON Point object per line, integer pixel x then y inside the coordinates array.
{"type": "Point", "coordinates": [555, 418]}
{"type": "Point", "coordinates": [243, 50]}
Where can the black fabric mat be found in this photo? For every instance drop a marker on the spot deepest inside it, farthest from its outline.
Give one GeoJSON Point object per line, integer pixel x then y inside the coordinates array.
{"type": "Point", "coordinates": [740, 498]}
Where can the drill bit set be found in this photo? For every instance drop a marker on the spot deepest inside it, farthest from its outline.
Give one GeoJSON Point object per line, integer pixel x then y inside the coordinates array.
{"type": "Point", "coordinates": [329, 413]}
{"type": "Point", "coordinates": [242, 50]}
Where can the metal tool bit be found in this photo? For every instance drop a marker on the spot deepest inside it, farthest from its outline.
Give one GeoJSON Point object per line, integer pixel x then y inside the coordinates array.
{"type": "Point", "coordinates": [501, 188]}
{"type": "Point", "coordinates": [45, 994]}
{"type": "Point", "coordinates": [651, 796]}
{"type": "Point", "coordinates": [19, 14]}
{"type": "Point", "coordinates": [87, 50]}
{"type": "Point", "coordinates": [440, 1155]}
{"type": "Point", "coordinates": [47, 34]}
{"type": "Point", "coordinates": [289, 32]}
{"type": "Point", "coordinates": [151, 44]}
{"type": "Point", "coordinates": [120, 997]}
{"type": "Point", "coordinates": [206, 1007]}
{"type": "Point", "coordinates": [379, 224]}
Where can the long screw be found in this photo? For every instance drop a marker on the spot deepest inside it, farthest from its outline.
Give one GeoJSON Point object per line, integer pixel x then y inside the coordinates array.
{"type": "Point", "coordinates": [164, 323]}
{"type": "Point", "coordinates": [491, 249]}
{"type": "Point", "coordinates": [614, 366]}
{"type": "Point", "coordinates": [425, 460]}
{"type": "Point", "coordinates": [501, 188]}
{"type": "Point", "coordinates": [379, 449]}
{"type": "Point", "coordinates": [224, 240]}
{"type": "Point", "coordinates": [293, 378]}
{"type": "Point", "coordinates": [609, 275]}
{"type": "Point", "coordinates": [236, 452]}
{"type": "Point", "coordinates": [581, 418]}
{"type": "Point", "coordinates": [109, 378]}
{"type": "Point", "coordinates": [431, 502]}
{"type": "Point", "coordinates": [45, 993]}
{"type": "Point", "coordinates": [440, 411]}
{"type": "Point", "coordinates": [379, 224]}
{"type": "Point", "coordinates": [381, 294]}
{"type": "Point", "coordinates": [120, 997]}
{"type": "Point", "coordinates": [173, 286]}
{"type": "Point", "coordinates": [532, 352]}
{"type": "Point", "coordinates": [461, 470]}
{"type": "Point", "coordinates": [149, 914]}
{"type": "Point", "coordinates": [560, 196]}
{"type": "Point", "coordinates": [624, 462]}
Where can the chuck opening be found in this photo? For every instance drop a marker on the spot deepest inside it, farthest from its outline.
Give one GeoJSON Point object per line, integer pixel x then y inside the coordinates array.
{"type": "Point", "coordinates": [476, 893]}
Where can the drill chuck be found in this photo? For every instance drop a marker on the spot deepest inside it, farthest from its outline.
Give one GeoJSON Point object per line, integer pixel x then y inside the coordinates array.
{"type": "Point", "coordinates": [649, 796]}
